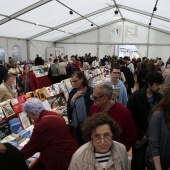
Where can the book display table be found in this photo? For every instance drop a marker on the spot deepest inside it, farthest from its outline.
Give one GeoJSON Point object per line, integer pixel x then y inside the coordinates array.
{"type": "Point", "coordinates": [15, 125]}
{"type": "Point", "coordinates": [44, 81]}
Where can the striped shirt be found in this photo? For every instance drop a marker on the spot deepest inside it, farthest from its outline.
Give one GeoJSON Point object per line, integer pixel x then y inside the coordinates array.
{"type": "Point", "coordinates": [103, 158]}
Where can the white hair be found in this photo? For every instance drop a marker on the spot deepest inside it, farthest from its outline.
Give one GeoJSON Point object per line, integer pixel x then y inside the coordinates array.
{"type": "Point", "coordinates": [33, 105]}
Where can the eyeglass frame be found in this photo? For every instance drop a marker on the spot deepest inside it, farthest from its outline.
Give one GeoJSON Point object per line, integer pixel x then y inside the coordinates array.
{"type": "Point", "coordinates": [116, 72]}
{"type": "Point", "coordinates": [105, 137]}
{"type": "Point", "coordinates": [94, 98]}
{"type": "Point", "coordinates": [75, 81]}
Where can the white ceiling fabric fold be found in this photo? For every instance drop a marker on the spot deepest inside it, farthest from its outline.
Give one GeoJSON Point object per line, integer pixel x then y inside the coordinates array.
{"type": "Point", "coordinates": [50, 20]}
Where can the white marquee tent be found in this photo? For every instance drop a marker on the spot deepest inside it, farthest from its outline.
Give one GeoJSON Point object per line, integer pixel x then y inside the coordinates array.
{"type": "Point", "coordinates": [45, 27]}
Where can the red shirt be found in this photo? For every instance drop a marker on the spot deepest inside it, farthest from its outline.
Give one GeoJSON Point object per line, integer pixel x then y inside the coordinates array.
{"type": "Point", "coordinates": [51, 137]}
{"type": "Point", "coordinates": [122, 116]}
{"type": "Point", "coordinates": [76, 65]}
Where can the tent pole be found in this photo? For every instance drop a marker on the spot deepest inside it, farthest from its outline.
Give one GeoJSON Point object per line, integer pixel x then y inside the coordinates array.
{"type": "Point", "coordinates": [148, 42]}
{"type": "Point", "coordinates": [98, 37]}
{"type": "Point", "coordinates": [28, 50]}
{"type": "Point", "coordinates": [123, 31]}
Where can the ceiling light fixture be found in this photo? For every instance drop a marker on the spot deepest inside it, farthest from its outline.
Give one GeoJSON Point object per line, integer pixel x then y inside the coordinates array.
{"type": "Point", "coordinates": [155, 8]}
{"type": "Point", "coordinates": [116, 16]}
{"type": "Point", "coordinates": [71, 12]}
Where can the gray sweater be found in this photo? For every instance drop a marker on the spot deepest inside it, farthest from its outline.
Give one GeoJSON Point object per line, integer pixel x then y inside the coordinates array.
{"type": "Point", "coordinates": [159, 138]}
{"type": "Point", "coordinates": [54, 69]}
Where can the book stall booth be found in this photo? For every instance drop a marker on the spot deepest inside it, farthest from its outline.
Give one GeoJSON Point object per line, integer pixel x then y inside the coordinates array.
{"type": "Point", "coordinates": [15, 126]}
{"type": "Point", "coordinates": [41, 73]}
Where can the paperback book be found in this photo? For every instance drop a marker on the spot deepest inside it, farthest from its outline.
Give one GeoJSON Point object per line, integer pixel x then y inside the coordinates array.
{"type": "Point", "coordinates": [4, 130]}
{"type": "Point", "coordinates": [18, 103]}
{"type": "Point", "coordinates": [7, 109]}
{"type": "Point", "coordinates": [24, 120]}
{"type": "Point", "coordinates": [2, 116]}
{"type": "Point", "coordinates": [15, 125]}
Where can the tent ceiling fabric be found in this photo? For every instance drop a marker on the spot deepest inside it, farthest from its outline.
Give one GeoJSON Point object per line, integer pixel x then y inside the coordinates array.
{"type": "Point", "coordinates": [50, 20]}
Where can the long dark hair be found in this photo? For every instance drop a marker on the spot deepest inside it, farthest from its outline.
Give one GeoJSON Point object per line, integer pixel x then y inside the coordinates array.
{"type": "Point", "coordinates": [164, 105]}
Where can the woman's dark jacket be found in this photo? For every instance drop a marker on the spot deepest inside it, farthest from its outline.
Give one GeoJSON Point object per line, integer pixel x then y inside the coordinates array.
{"type": "Point", "coordinates": [140, 108]}
{"type": "Point", "coordinates": [87, 101]}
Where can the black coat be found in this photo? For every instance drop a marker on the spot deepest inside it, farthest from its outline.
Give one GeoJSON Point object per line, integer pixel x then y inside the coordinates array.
{"type": "Point", "coordinates": [3, 73]}
{"type": "Point", "coordinates": [12, 159]}
{"type": "Point", "coordinates": [140, 108]}
{"type": "Point", "coordinates": [128, 76]}
{"type": "Point", "coordinates": [87, 101]}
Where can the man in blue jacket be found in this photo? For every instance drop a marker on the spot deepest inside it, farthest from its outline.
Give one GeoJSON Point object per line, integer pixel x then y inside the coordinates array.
{"type": "Point", "coordinates": [118, 84]}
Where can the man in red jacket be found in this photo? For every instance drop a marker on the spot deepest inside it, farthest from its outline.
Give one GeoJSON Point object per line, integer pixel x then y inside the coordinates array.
{"type": "Point", "coordinates": [51, 137]}
{"type": "Point", "coordinates": [104, 101]}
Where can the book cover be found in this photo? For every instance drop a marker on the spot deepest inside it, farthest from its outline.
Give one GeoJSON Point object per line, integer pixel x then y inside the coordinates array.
{"type": "Point", "coordinates": [66, 95]}
{"type": "Point", "coordinates": [18, 103]}
{"type": "Point", "coordinates": [20, 139]}
{"type": "Point", "coordinates": [62, 86]}
{"type": "Point", "coordinates": [15, 125]}
{"type": "Point", "coordinates": [4, 130]}
{"type": "Point", "coordinates": [51, 91]}
{"type": "Point", "coordinates": [35, 94]}
{"type": "Point", "coordinates": [61, 101]}
{"type": "Point", "coordinates": [54, 104]}
{"type": "Point", "coordinates": [67, 83]}
{"type": "Point", "coordinates": [24, 120]}
{"type": "Point", "coordinates": [28, 95]}
{"type": "Point", "coordinates": [7, 109]}
{"type": "Point", "coordinates": [45, 92]}
{"type": "Point", "coordinates": [25, 133]}
{"type": "Point", "coordinates": [56, 88]}
{"type": "Point", "coordinates": [10, 138]}
{"type": "Point", "coordinates": [2, 116]}
{"type": "Point", "coordinates": [46, 105]}
{"type": "Point", "coordinates": [41, 95]}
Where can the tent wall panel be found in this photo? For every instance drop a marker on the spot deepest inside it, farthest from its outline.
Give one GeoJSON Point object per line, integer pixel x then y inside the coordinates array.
{"type": "Point", "coordinates": [140, 35]}
{"type": "Point", "coordinates": [142, 50]}
{"type": "Point", "coordinates": [106, 35]}
{"type": "Point", "coordinates": [90, 37]}
{"type": "Point", "coordinates": [159, 51]}
{"type": "Point", "coordinates": [80, 49]}
{"type": "Point", "coordinates": [39, 47]}
{"type": "Point", "coordinates": [8, 44]}
{"type": "Point", "coordinates": [36, 47]}
{"type": "Point", "coordinates": [157, 37]}
{"type": "Point", "coordinates": [106, 50]}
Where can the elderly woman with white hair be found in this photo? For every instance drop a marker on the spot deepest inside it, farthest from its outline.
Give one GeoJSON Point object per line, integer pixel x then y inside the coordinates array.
{"type": "Point", "coordinates": [50, 137]}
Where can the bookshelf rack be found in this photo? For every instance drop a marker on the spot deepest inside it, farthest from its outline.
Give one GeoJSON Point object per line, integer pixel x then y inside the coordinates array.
{"type": "Point", "coordinates": [63, 88]}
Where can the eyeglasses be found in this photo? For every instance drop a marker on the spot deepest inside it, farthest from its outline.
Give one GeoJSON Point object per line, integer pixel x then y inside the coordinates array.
{"type": "Point", "coordinates": [106, 137]}
{"type": "Point", "coordinates": [116, 72]}
{"type": "Point", "coordinates": [94, 97]}
{"type": "Point", "coordinates": [74, 81]}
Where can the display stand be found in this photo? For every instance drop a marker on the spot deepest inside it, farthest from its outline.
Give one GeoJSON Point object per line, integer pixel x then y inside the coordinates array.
{"type": "Point", "coordinates": [54, 98]}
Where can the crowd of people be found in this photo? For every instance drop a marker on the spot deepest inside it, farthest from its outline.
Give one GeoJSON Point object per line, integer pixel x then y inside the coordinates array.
{"type": "Point", "coordinates": [103, 125]}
